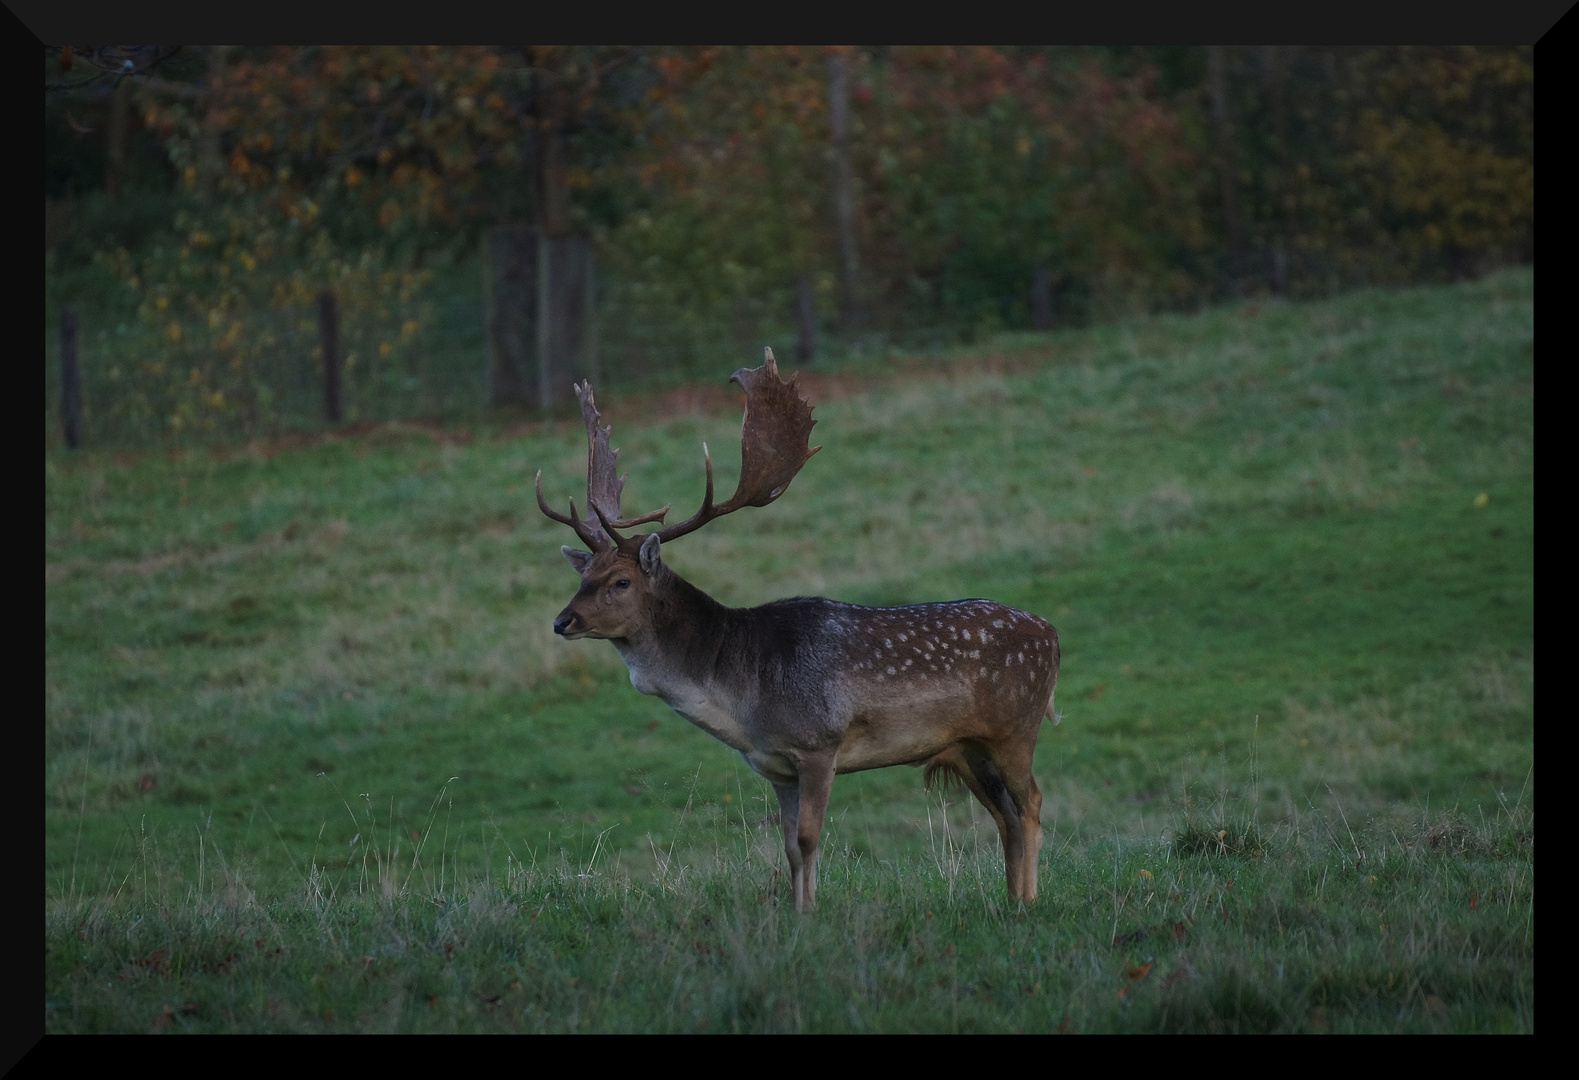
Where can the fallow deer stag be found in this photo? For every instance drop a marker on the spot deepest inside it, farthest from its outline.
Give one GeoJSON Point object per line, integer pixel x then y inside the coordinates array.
{"type": "Point", "coordinates": [807, 688]}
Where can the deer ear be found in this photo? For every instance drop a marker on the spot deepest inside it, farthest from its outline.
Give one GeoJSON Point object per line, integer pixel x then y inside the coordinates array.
{"type": "Point", "coordinates": [649, 555]}
{"type": "Point", "coordinates": [578, 558]}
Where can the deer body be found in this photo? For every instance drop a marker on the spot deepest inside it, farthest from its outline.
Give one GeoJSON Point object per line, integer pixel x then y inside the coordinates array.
{"type": "Point", "coordinates": [806, 688]}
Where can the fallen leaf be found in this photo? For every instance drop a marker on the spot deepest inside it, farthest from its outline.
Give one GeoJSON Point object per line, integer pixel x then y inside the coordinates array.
{"type": "Point", "coordinates": [1138, 973]}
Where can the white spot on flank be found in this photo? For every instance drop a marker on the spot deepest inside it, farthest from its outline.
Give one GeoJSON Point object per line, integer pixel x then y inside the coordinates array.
{"type": "Point", "coordinates": [888, 643]}
{"type": "Point", "coordinates": [997, 624]}
{"type": "Point", "coordinates": [967, 635]}
{"type": "Point", "coordinates": [891, 671]}
{"type": "Point", "coordinates": [901, 637]}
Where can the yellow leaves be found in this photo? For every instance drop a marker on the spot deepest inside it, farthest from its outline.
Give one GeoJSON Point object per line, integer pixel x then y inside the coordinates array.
{"type": "Point", "coordinates": [173, 331]}
{"type": "Point", "coordinates": [1145, 875]}
{"type": "Point", "coordinates": [1481, 500]}
{"type": "Point", "coordinates": [353, 177]}
{"type": "Point", "coordinates": [408, 328]}
{"type": "Point", "coordinates": [247, 261]}
{"type": "Point", "coordinates": [385, 348]}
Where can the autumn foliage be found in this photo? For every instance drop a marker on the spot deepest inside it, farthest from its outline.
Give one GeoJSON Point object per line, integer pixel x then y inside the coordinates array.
{"type": "Point", "coordinates": [992, 188]}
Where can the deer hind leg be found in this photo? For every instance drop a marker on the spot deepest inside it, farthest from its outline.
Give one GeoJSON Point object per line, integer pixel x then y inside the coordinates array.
{"type": "Point", "coordinates": [1031, 822]}
{"type": "Point", "coordinates": [1014, 765]}
{"type": "Point", "coordinates": [987, 782]}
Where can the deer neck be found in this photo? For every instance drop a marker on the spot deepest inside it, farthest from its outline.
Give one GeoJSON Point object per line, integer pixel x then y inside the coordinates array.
{"type": "Point", "coordinates": [680, 641]}
{"type": "Point", "coordinates": [675, 657]}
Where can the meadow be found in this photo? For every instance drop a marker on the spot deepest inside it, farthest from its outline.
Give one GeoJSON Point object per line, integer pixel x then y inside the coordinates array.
{"type": "Point", "coordinates": [314, 760]}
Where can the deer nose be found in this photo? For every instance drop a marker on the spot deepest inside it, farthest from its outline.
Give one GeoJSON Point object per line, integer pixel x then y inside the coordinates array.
{"type": "Point", "coordinates": [562, 624]}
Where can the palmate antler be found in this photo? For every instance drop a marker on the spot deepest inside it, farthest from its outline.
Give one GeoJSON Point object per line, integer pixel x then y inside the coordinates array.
{"type": "Point", "coordinates": [603, 485]}
{"type": "Point", "coordinates": [773, 447]}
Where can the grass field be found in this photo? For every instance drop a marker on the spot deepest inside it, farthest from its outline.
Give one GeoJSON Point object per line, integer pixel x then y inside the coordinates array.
{"type": "Point", "coordinates": [314, 759]}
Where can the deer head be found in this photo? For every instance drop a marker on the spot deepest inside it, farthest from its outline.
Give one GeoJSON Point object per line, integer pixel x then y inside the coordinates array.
{"type": "Point", "coordinates": [621, 573]}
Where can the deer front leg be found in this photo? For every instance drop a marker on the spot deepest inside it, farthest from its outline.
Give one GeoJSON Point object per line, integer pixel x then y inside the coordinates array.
{"type": "Point", "coordinates": [789, 820]}
{"type": "Point", "coordinates": [802, 807]}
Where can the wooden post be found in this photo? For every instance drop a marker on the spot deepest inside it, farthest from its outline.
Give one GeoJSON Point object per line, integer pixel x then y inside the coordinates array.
{"type": "Point", "coordinates": [806, 321]}
{"type": "Point", "coordinates": [1041, 297]}
{"type": "Point", "coordinates": [329, 340]}
{"type": "Point", "coordinates": [70, 379]}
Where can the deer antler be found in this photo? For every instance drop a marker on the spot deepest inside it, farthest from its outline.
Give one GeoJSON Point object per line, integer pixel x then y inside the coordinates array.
{"type": "Point", "coordinates": [773, 437]}
{"type": "Point", "coordinates": [604, 486]}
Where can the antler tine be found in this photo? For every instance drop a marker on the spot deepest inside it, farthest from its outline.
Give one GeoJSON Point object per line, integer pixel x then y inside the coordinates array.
{"type": "Point", "coordinates": [773, 437]}
{"type": "Point", "coordinates": [702, 516]}
{"type": "Point", "coordinates": [645, 519]}
{"type": "Point", "coordinates": [588, 537]}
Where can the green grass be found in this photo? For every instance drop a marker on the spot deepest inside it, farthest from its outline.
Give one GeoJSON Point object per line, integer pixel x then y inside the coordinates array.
{"type": "Point", "coordinates": [1289, 550]}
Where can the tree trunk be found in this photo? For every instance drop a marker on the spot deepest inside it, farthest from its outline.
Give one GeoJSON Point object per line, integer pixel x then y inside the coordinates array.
{"type": "Point", "coordinates": [1227, 171]}
{"type": "Point", "coordinates": [844, 189]}
{"type": "Point", "coordinates": [1041, 297]}
{"type": "Point", "coordinates": [805, 321]}
{"type": "Point", "coordinates": [510, 300]}
{"type": "Point", "coordinates": [210, 164]}
{"type": "Point", "coordinates": [1274, 69]}
{"type": "Point", "coordinates": [564, 316]}
{"type": "Point", "coordinates": [115, 139]}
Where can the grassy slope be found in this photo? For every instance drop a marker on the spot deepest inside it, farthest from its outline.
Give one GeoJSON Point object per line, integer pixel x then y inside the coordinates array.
{"type": "Point", "coordinates": [1253, 513]}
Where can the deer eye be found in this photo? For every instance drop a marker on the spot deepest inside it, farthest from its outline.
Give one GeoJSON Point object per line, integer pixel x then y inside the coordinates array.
{"type": "Point", "coordinates": [623, 583]}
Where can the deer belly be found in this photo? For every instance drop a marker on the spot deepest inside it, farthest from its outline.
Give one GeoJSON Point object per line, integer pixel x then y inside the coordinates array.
{"type": "Point", "coordinates": [879, 737]}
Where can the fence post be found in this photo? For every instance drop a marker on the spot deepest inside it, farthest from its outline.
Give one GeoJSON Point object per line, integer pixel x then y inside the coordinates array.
{"type": "Point", "coordinates": [70, 379]}
{"type": "Point", "coordinates": [329, 338]}
{"type": "Point", "coordinates": [1041, 297]}
{"type": "Point", "coordinates": [805, 322]}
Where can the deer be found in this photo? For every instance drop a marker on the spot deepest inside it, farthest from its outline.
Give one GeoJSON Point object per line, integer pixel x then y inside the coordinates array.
{"type": "Point", "coordinates": [807, 688]}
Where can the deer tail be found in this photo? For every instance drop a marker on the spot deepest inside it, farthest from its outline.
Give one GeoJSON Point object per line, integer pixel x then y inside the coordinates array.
{"type": "Point", "coordinates": [942, 770]}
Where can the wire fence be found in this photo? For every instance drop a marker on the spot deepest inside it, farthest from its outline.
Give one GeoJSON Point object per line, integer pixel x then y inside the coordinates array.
{"type": "Point", "coordinates": [143, 384]}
